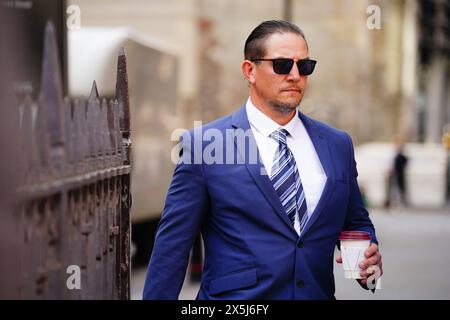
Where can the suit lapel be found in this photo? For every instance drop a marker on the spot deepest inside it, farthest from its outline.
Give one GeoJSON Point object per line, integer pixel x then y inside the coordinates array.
{"type": "Point", "coordinates": [322, 148]}
{"type": "Point", "coordinates": [257, 170]}
{"type": "Point", "coordinates": [321, 145]}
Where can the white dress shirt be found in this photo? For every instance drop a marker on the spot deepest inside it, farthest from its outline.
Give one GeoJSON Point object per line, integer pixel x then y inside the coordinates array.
{"type": "Point", "coordinates": [309, 167]}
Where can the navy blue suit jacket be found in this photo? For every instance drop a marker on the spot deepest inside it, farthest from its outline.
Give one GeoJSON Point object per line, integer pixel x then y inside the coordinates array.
{"type": "Point", "coordinates": [252, 250]}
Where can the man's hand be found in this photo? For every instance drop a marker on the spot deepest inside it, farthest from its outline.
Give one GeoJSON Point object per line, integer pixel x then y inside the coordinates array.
{"type": "Point", "coordinates": [373, 258]}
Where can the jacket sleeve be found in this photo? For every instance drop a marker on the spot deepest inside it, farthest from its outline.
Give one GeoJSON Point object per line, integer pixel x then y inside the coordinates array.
{"type": "Point", "coordinates": [185, 206]}
{"type": "Point", "coordinates": [357, 217]}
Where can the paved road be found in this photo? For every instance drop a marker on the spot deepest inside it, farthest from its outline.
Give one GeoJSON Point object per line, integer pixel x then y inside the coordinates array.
{"type": "Point", "coordinates": [416, 259]}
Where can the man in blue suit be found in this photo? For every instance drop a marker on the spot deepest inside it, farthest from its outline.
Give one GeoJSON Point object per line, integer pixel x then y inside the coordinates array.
{"type": "Point", "coordinates": [269, 188]}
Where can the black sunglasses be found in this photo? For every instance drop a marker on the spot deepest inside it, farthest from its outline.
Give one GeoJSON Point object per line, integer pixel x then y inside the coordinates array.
{"type": "Point", "coordinates": [284, 65]}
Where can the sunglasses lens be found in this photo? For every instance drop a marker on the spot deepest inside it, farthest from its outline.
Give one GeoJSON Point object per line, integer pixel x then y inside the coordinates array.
{"type": "Point", "coordinates": [306, 67]}
{"type": "Point", "coordinates": [282, 66]}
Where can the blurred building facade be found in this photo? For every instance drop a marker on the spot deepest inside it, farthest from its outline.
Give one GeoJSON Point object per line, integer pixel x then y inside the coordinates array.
{"type": "Point", "coordinates": [374, 83]}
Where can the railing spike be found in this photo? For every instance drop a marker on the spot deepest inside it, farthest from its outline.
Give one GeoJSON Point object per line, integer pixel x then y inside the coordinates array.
{"type": "Point", "coordinates": [122, 91]}
{"type": "Point", "coordinates": [94, 91]}
{"type": "Point", "coordinates": [124, 105]}
{"type": "Point", "coordinates": [50, 97]}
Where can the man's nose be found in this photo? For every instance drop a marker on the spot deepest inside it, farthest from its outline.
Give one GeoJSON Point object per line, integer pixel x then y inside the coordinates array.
{"type": "Point", "coordinates": [294, 74]}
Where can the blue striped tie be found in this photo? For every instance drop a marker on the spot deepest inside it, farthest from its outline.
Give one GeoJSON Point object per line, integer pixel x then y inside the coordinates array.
{"type": "Point", "coordinates": [286, 180]}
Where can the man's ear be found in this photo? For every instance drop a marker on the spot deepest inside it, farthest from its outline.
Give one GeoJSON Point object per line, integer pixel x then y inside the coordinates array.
{"type": "Point", "coordinates": [248, 70]}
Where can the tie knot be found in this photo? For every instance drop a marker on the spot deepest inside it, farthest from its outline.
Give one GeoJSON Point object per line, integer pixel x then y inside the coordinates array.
{"type": "Point", "coordinates": [280, 135]}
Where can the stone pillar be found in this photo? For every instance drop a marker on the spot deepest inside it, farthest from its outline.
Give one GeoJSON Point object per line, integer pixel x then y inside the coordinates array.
{"type": "Point", "coordinates": [435, 87]}
{"type": "Point", "coordinates": [409, 74]}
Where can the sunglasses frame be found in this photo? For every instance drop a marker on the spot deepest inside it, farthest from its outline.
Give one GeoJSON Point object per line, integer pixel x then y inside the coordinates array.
{"type": "Point", "coordinates": [290, 60]}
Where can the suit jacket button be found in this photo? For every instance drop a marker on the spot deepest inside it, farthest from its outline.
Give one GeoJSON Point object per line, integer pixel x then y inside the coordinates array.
{"type": "Point", "coordinates": [300, 244]}
{"type": "Point", "coordinates": [300, 284]}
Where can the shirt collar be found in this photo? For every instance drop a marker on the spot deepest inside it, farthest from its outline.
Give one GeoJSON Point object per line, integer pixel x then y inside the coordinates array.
{"type": "Point", "coordinates": [265, 125]}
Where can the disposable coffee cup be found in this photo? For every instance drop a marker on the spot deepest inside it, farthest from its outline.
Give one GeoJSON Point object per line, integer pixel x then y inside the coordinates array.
{"type": "Point", "coordinates": [353, 246]}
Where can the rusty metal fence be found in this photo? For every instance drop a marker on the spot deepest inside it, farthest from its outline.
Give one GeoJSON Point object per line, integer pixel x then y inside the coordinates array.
{"type": "Point", "coordinates": [71, 216]}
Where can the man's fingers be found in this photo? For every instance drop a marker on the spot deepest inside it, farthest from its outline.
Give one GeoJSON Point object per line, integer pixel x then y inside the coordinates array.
{"type": "Point", "coordinates": [368, 262]}
{"type": "Point", "coordinates": [373, 260]}
{"type": "Point", "coordinates": [339, 259]}
{"type": "Point", "coordinates": [364, 273]}
{"type": "Point", "coordinates": [371, 250]}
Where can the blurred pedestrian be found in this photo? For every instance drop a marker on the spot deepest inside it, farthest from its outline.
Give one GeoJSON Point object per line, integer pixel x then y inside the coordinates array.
{"type": "Point", "coordinates": [397, 178]}
{"type": "Point", "coordinates": [400, 164]}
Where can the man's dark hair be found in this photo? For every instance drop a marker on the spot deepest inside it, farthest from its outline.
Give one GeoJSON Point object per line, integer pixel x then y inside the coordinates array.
{"type": "Point", "coordinates": [254, 45]}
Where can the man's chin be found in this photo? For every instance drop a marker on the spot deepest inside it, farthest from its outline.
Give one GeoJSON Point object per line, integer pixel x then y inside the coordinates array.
{"type": "Point", "coordinates": [293, 100]}
{"type": "Point", "coordinates": [284, 107]}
